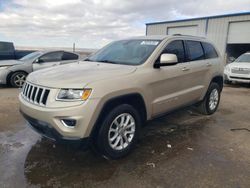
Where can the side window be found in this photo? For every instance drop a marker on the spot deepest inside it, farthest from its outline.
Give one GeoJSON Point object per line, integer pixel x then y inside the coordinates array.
{"type": "Point", "coordinates": [209, 50]}
{"type": "Point", "coordinates": [176, 47]}
{"type": "Point", "coordinates": [195, 51]}
{"type": "Point", "coordinates": [69, 56]}
{"type": "Point", "coordinates": [51, 57]}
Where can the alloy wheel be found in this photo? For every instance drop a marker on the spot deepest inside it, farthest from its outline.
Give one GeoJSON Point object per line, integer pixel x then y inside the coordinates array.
{"type": "Point", "coordinates": [19, 80]}
{"type": "Point", "coordinates": [121, 131]}
{"type": "Point", "coordinates": [213, 99]}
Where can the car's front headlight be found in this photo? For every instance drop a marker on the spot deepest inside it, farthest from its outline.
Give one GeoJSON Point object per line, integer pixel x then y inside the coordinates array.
{"type": "Point", "coordinates": [4, 67]}
{"type": "Point", "coordinates": [227, 69]}
{"type": "Point", "coordinates": [73, 94]}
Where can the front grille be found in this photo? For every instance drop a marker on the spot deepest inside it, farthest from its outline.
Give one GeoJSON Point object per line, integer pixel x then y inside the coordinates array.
{"type": "Point", "coordinates": [35, 94]}
{"type": "Point", "coordinates": [240, 71]}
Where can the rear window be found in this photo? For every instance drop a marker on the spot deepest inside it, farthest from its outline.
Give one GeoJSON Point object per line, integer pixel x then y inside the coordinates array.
{"type": "Point", "coordinates": [209, 50]}
{"type": "Point", "coordinates": [195, 51]}
{"type": "Point", "coordinates": [69, 56]}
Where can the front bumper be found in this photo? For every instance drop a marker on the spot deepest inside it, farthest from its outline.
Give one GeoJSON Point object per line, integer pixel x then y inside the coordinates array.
{"type": "Point", "coordinates": [47, 121]}
{"type": "Point", "coordinates": [48, 131]}
{"type": "Point", "coordinates": [236, 77]}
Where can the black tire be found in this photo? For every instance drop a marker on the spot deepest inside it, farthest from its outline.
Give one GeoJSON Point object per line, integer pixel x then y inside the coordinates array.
{"type": "Point", "coordinates": [17, 79]}
{"type": "Point", "coordinates": [204, 106]}
{"type": "Point", "coordinates": [103, 145]}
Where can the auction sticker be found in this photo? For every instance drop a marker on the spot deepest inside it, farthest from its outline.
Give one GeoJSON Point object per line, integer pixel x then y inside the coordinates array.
{"type": "Point", "coordinates": [150, 42]}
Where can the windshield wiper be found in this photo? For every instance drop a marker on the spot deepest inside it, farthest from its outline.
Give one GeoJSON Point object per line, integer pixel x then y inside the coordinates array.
{"type": "Point", "coordinates": [108, 61]}
{"type": "Point", "coordinates": [87, 59]}
{"type": "Point", "coordinates": [101, 61]}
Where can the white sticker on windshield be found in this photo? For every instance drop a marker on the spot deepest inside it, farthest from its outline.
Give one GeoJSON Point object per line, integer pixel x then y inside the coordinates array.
{"type": "Point", "coordinates": [150, 42]}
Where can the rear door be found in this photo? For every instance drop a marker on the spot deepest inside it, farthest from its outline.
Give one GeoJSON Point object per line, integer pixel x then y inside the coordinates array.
{"type": "Point", "coordinates": [49, 59]}
{"type": "Point", "coordinates": [198, 68]}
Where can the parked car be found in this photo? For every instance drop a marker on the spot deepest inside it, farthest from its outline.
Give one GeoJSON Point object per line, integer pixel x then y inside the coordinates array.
{"type": "Point", "coordinates": [239, 70]}
{"type": "Point", "coordinates": [105, 99]}
{"type": "Point", "coordinates": [14, 72]}
{"type": "Point", "coordinates": [8, 51]}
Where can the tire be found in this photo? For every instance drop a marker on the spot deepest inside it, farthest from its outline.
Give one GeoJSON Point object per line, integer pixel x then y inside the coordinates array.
{"type": "Point", "coordinates": [110, 143]}
{"type": "Point", "coordinates": [211, 101]}
{"type": "Point", "coordinates": [17, 79]}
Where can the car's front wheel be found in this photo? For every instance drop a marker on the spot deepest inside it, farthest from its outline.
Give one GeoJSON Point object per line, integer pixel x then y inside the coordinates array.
{"type": "Point", "coordinates": [119, 132]}
{"type": "Point", "coordinates": [17, 79]}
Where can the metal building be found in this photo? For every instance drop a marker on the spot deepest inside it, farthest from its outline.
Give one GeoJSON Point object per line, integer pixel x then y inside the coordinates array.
{"type": "Point", "coordinates": [230, 32]}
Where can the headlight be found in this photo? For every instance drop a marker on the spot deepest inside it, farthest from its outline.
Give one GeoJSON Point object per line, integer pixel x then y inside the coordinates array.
{"type": "Point", "coordinates": [227, 69]}
{"type": "Point", "coordinates": [73, 94]}
{"type": "Point", "coordinates": [4, 67]}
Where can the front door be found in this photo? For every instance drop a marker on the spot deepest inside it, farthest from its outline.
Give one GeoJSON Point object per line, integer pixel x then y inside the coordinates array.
{"type": "Point", "coordinates": [49, 59]}
{"type": "Point", "coordinates": [170, 84]}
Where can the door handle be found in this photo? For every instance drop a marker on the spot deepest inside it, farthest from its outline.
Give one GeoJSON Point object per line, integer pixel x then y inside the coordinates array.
{"type": "Point", "coordinates": [208, 64]}
{"type": "Point", "coordinates": [185, 69]}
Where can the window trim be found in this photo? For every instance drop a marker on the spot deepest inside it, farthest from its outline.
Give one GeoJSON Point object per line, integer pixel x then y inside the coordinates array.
{"type": "Point", "coordinates": [215, 50]}
{"type": "Point", "coordinates": [188, 52]}
{"type": "Point", "coordinates": [167, 43]}
{"type": "Point", "coordinates": [50, 53]}
{"type": "Point", "coordinates": [72, 53]}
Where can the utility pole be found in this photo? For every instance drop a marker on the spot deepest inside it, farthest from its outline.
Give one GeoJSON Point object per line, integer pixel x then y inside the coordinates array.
{"type": "Point", "coordinates": [74, 47]}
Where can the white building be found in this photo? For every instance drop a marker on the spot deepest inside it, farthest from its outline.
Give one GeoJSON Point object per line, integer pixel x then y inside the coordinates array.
{"type": "Point", "coordinates": [230, 33]}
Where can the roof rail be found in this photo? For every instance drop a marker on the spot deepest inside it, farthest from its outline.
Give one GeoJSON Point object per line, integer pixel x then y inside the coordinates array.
{"type": "Point", "coordinates": [188, 35]}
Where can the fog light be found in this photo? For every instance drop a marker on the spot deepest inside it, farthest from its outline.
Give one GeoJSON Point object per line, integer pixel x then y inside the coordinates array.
{"type": "Point", "coordinates": [68, 122]}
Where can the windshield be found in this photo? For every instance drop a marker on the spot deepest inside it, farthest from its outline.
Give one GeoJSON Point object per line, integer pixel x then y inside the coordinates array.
{"type": "Point", "coordinates": [128, 52]}
{"type": "Point", "coordinates": [31, 56]}
{"type": "Point", "coordinates": [243, 58]}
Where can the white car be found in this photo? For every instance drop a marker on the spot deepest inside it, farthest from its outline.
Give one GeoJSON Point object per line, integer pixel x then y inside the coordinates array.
{"type": "Point", "coordinates": [239, 70]}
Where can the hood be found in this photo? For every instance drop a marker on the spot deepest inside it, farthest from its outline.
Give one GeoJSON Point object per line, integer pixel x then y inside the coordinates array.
{"type": "Point", "coordinates": [239, 65]}
{"type": "Point", "coordinates": [9, 62]}
{"type": "Point", "coordinates": [77, 75]}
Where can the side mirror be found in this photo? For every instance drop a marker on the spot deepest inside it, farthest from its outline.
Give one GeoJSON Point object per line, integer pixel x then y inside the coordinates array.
{"type": "Point", "coordinates": [167, 60]}
{"type": "Point", "coordinates": [37, 61]}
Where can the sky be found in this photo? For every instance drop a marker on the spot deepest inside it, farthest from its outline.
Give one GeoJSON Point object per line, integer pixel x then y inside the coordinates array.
{"type": "Point", "coordinates": [95, 23]}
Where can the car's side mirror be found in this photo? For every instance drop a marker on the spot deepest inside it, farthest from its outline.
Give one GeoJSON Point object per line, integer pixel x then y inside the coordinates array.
{"type": "Point", "coordinates": [37, 60]}
{"type": "Point", "coordinates": [167, 60]}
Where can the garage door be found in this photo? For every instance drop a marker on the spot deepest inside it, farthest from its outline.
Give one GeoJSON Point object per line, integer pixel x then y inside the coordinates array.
{"type": "Point", "coordinates": [239, 32]}
{"type": "Point", "coordinates": [184, 30]}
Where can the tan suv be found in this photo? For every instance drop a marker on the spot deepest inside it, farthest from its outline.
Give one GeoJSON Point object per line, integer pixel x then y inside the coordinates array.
{"type": "Point", "coordinates": [105, 99]}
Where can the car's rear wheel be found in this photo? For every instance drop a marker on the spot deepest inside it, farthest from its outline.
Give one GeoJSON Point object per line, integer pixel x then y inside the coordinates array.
{"type": "Point", "coordinates": [211, 101]}
{"type": "Point", "coordinates": [119, 132]}
{"type": "Point", "coordinates": [17, 79]}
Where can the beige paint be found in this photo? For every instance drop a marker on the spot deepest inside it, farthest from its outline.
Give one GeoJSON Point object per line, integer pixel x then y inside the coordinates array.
{"type": "Point", "coordinates": [162, 89]}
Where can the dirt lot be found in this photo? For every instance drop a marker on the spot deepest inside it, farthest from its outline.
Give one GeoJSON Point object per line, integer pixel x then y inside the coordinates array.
{"type": "Point", "coordinates": [206, 151]}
